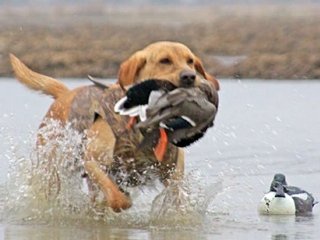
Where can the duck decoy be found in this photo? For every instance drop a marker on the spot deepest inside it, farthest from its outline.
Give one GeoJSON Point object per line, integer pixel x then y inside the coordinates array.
{"type": "Point", "coordinates": [285, 200]}
{"type": "Point", "coordinates": [180, 116]}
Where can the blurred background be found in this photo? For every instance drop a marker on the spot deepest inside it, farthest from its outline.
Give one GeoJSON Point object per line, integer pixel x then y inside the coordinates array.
{"type": "Point", "coordinates": [262, 128]}
{"type": "Point", "coordinates": [235, 38]}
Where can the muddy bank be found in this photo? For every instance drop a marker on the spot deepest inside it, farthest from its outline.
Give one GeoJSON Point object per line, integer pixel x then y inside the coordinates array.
{"type": "Point", "coordinates": [272, 43]}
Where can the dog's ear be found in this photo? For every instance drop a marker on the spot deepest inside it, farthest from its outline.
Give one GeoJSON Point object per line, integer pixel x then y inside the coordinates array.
{"type": "Point", "coordinates": [200, 69]}
{"type": "Point", "coordinates": [130, 68]}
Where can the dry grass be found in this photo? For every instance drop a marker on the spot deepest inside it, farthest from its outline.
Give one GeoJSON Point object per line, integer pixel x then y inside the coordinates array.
{"type": "Point", "coordinates": [278, 42]}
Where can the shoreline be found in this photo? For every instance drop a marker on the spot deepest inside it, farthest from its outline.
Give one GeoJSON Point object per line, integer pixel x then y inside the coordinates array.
{"type": "Point", "coordinates": [234, 43]}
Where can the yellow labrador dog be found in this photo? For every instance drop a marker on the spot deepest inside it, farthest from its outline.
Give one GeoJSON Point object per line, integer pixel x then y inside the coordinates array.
{"type": "Point", "coordinates": [110, 146]}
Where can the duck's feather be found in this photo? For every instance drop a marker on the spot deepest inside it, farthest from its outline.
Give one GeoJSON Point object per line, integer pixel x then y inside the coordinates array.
{"type": "Point", "coordinates": [185, 113]}
{"type": "Point", "coordinates": [184, 142]}
{"type": "Point", "coordinates": [189, 103]}
{"type": "Point", "coordinates": [176, 123]}
{"type": "Point", "coordinates": [118, 107]}
{"type": "Point", "coordinates": [139, 94]}
{"type": "Point", "coordinates": [293, 190]}
{"type": "Point", "coordinates": [98, 82]}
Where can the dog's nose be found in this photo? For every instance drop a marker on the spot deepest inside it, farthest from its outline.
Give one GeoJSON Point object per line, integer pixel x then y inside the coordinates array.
{"type": "Point", "coordinates": [187, 78]}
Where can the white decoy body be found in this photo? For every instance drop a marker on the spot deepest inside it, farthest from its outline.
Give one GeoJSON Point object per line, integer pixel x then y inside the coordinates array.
{"type": "Point", "coordinates": [270, 204]}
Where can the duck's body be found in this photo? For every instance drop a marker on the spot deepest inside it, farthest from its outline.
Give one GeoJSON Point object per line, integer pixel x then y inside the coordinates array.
{"type": "Point", "coordinates": [182, 115]}
{"type": "Point", "coordinates": [185, 113]}
{"type": "Point", "coordinates": [285, 200]}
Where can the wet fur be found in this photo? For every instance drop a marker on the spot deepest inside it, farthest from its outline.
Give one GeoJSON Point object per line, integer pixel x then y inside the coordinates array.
{"type": "Point", "coordinates": [144, 64]}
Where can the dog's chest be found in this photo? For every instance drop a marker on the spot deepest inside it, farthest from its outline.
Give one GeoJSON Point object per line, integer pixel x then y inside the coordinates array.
{"type": "Point", "coordinates": [132, 166]}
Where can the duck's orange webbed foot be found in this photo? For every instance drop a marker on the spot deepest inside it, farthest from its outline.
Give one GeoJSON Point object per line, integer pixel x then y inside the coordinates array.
{"type": "Point", "coordinates": [161, 147]}
{"type": "Point", "coordinates": [131, 123]}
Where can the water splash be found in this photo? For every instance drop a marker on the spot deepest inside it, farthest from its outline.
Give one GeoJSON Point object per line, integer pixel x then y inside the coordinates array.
{"type": "Point", "coordinates": [47, 187]}
{"type": "Point", "coordinates": [184, 203]}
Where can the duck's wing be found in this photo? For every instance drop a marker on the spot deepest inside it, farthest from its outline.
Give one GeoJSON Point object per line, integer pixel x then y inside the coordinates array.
{"type": "Point", "coordinates": [186, 141]}
{"type": "Point", "coordinates": [185, 137]}
{"type": "Point", "coordinates": [98, 82]}
{"type": "Point", "coordinates": [304, 202]}
{"type": "Point", "coordinates": [176, 123]}
{"type": "Point", "coordinates": [303, 199]}
{"type": "Point", "coordinates": [168, 100]}
{"type": "Point", "coordinates": [202, 111]}
{"type": "Point", "coordinates": [189, 104]}
{"type": "Point", "coordinates": [186, 113]}
{"type": "Point", "coordinates": [165, 107]}
{"type": "Point", "coordinates": [210, 92]}
{"type": "Point", "coordinates": [291, 190]}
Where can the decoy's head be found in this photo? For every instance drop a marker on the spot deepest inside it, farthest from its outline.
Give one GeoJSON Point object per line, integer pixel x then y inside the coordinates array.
{"type": "Point", "coordinates": [171, 61]}
{"type": "Point", "coordinates": [278, 185]}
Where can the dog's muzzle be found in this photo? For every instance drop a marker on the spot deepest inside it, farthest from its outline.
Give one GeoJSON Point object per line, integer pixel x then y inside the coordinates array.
{"type": "Point", "coordinates": [187, 78]}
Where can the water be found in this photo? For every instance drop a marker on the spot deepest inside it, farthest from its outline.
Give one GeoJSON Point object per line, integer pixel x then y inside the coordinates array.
{"type": "Point", "coordinates": [262, 127]}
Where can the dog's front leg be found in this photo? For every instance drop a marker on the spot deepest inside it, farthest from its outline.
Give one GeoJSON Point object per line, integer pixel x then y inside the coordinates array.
{"type": "Point", "coordinates": [173, 183]}
{"type": "Point", "coordinates": [178, 172]}
{"type": "Point", "coordinates": [115, 198]}
{"type": "Point", "coordinates": [174, 196]}
{"type": "Point", "coordinates": [99, 152]}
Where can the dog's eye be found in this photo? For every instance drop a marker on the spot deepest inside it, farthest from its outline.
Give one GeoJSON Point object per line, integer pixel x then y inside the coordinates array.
{"type": "Point", "coordinates": [190, 61]}
{"type": "Point", "coordinates": [165, 61]}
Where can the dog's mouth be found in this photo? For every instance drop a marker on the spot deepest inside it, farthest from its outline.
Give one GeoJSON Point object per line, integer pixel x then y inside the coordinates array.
{"type": "Point", "coordinates": [170, 85]}
{"type": "Point", "coordinates": [162, 83]}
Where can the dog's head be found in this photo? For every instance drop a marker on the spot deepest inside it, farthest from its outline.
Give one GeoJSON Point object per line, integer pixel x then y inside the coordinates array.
{"type": "Point", "coordinates": [170, 61]}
